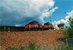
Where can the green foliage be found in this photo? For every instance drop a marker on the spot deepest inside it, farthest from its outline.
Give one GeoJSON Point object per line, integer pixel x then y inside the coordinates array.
{"type": "Point", "coordinates": [69, 31]}
{"type": "Point", "coordinates": [31, 46]}
{"type": "Point", "coordinates": [69, 36]}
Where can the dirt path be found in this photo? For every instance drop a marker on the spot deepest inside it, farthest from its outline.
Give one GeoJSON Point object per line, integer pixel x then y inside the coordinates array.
{"type": "Point", "coordinates": [43, 38]}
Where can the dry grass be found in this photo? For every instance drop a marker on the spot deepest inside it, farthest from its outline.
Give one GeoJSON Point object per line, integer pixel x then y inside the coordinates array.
{"type": "Point", "coordinates": [41, 38]}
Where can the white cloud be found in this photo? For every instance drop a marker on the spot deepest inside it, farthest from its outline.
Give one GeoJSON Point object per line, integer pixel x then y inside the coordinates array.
{"type": "Point", "coordinates": [70, 15]}
{"type": "Point", "coordinates": [48, 13]}
{"type": "Point", "coordinates": [26, 8]}
{"type": "Point", "coordinates": [58, 22]}
{"type": "Point", "coordinates": [65, 20]}
{"type": "Point", "coordinates": [51, 3]}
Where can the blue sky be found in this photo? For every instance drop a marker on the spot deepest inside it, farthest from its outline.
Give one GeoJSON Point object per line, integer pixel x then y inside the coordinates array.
{"type": "Point", "coordinates": [21, 12]}
{"type": "Point", "coordinates": [64, 7]}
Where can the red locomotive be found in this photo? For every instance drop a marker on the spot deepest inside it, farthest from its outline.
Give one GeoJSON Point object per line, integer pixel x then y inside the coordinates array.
{"type": "Point", "coordinates": [36, 26]}
{"type": "Point", "coordinates": [48, 26]}
{"type": "Point", "coordinates": [33, 26]}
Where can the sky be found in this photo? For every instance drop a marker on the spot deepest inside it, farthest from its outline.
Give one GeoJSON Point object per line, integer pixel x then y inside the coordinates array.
{"type": "Point", "coordinates": [64, 7]}
{"type": "Point", "coordinates": [21, 12]}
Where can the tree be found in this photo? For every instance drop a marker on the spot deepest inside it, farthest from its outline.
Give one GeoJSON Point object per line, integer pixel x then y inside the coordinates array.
{"type": "Point", "coordinates": [70, 29]}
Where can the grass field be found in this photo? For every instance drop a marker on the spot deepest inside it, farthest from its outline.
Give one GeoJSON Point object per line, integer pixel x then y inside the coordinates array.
{"type": "Point", "coordinates": [48, 38]}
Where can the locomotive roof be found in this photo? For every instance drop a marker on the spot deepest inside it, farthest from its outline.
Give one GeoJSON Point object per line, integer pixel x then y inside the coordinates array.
{"type": "Point", "coordinates": [48, 23]}
{"type": "Point", "coordinates": [34, 22]}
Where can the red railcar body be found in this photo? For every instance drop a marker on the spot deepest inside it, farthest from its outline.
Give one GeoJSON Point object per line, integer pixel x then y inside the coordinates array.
{"type": "Point", "coordinates": [38, 26]}
{"type": "Point", "coordinates": [32, 26]}
{"type": "Point", "coordinates": [47, 27]}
